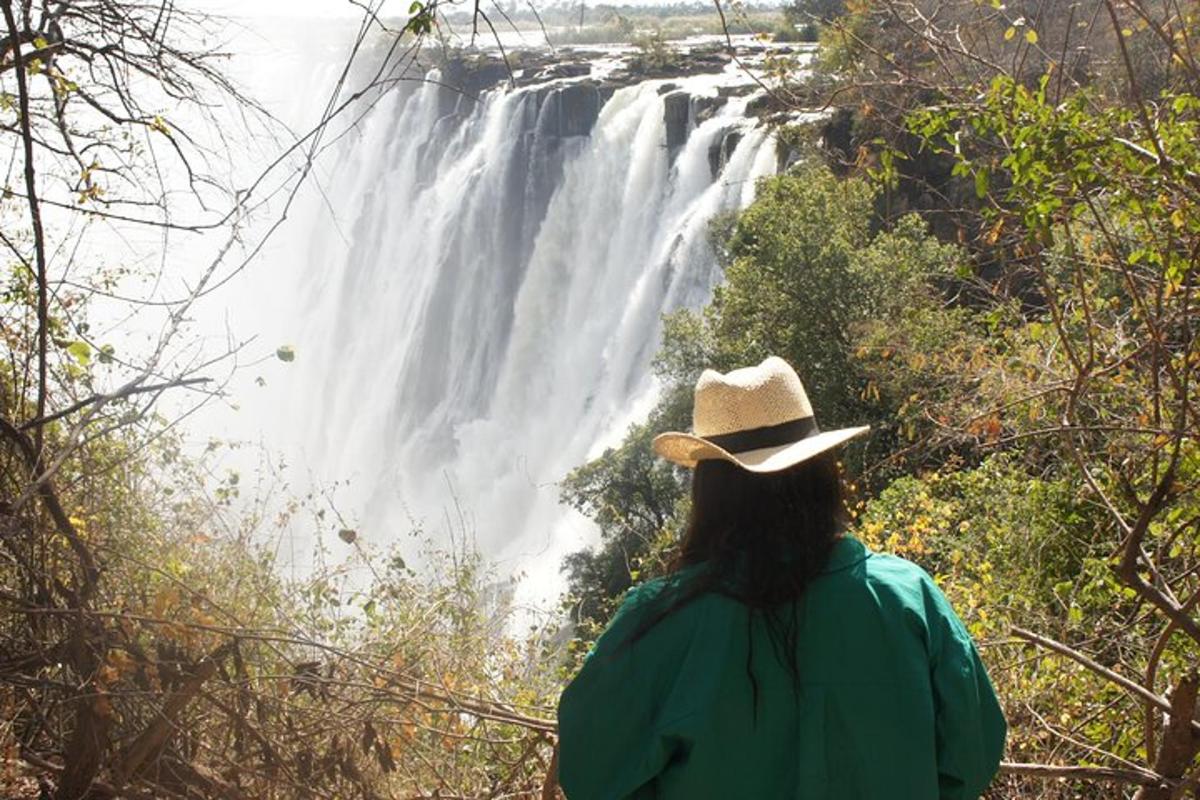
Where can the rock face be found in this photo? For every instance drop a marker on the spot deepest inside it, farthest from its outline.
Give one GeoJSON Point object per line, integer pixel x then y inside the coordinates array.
{"type": "Point", "coordinates": [571, 109]}
{"type": "Point", "coordinates": [682, 112]}
{"type": "Point", "coordinates": [677, 114]}
{"type": "Point", "coordinates": [722, 149]}
{"type": "Point", "coordinates": [704, 107]}
{"type": "Point", "coordinates": [463, 79]}
{"type": "Point", "coordinates": [569, 70]}
{"type": "Point", "coordinates": [472, 73]}
{"type": "Point", "coordinates": [561, 107]}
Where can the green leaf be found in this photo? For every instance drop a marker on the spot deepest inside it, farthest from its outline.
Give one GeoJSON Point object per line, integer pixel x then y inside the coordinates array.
{"type": "Point", "coordinates": [982, 180]}
{"type": "Point", "coordinates": [82, 352]}
{"type": "Point", "coordinates": [286, 353]}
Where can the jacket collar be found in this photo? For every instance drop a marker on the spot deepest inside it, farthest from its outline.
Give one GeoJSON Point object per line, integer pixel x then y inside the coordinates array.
{"type": "Point", "coordinates": [847, 551]}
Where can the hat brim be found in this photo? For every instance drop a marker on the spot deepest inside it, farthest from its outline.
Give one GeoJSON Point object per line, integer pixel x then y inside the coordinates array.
{"type": "Point", "coordinates": [687, 450]}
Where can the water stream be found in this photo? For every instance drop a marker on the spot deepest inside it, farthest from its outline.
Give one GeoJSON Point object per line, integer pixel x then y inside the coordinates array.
{"type": "Point", "coordinates": [480, 312]}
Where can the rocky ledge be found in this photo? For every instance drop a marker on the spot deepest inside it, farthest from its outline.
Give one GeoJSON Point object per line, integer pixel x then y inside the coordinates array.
{"type": "Point", "coordinates": [567, 98]}
{"type": "Point", "coordinates": [473, 73]}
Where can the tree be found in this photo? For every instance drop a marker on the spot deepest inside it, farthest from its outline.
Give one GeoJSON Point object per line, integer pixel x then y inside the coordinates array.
{"type": "Point", "coordinates": [1075, 139]}
{"type": "Point", "coordinates": [806, 12]}
{"type": "Point", "coordinates": [806, 278]}
{"type": "Point", "coordinates": [1037, 361]}
{"type": "Point", "coordinates": [632, 495]}
{"type": "Point", "coordinates": [150, 647]}
{"type": "Point", "coordinates": [811, 279]}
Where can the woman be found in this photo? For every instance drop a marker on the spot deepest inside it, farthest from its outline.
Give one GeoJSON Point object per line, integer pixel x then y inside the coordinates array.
{"type": "Point", "coordinates": [780, 658]}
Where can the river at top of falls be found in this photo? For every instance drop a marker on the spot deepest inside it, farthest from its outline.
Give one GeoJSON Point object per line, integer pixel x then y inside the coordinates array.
{"type": "Point", "coordinates": [480, 291]}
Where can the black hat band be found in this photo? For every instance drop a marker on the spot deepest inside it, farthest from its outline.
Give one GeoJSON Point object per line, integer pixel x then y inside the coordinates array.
{"type": "Point", "coordinates": [768, 436]}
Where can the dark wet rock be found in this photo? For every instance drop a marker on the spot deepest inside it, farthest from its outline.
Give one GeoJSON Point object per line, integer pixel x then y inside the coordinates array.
{"type": "Point", "coordinates": [721, 150]}
{"type": "Point", "coordinates": [474, 75]}
{"type": "Point", "coordinates": [694, 62]}
{"type": "Point", "coordinates": [677, 114]}
{"type": "Point", "coordinates": [735, 91]}
{"type": "Point", "coordinates": [565, 102]}
{"type": "Point", "coordinates": [466, 75]}
{"type": "Point", "coordinates": [837, 134]}
{"type": "Point", "coordinates": [705, 107]}
{"type": "Point", "coordinates": [571, 109]}
{"type": "Point", "coordinates": [569, 70]}
{"type": "Point", "coordinates": [768, 106]}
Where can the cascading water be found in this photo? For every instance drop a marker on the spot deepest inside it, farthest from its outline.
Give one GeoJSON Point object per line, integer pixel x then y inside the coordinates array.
{"type": "Point", "coordinates": [486, 311]}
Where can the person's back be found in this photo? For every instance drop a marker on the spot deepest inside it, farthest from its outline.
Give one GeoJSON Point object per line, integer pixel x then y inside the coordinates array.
{"type": "Point", "coordinates": [891, 700]}
{"type": "Point", "coordinates": [863, 685]}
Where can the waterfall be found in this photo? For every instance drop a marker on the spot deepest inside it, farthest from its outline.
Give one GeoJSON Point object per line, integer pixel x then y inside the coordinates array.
{"type": "Point", "coordinates": [485, 309]}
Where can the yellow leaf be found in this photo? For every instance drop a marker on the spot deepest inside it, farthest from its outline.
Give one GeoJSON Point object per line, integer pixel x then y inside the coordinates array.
{"type": "Point", "coordinates": [1031, 36]}
{"type": "Point", "coordinates": [1010, 33]}
{"type": "Point", "coordinates": [994, 233]}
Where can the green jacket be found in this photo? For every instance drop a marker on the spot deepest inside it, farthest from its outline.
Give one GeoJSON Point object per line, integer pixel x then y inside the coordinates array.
{"type": "Point", "coordinates": [893, 702]}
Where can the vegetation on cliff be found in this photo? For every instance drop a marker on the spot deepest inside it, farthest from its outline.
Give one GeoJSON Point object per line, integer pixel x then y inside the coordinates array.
{"type": "Point", "coordinates": [1023, 346]}
{"type": "Point", "coordinates": [152, 645]}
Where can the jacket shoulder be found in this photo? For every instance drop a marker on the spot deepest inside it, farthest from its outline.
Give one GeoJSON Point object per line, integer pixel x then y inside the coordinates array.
{"type": "Point", "coordinates": [662, 589]}
{"type": "Point", "coordinates": [888, 569]}
{"type": "Point", "coordinates": [904, 586]}
{"type": "Point", "coordinates": [644, 603]}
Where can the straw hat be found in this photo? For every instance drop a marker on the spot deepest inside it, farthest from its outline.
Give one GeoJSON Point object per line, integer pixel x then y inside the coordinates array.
{"type": "Point", "coordinates": [757, 417]}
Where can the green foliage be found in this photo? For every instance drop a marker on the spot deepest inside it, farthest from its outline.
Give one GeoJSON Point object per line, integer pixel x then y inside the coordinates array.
{"type": "Point", "coordinates": [421, 18]}
{"type": "Point", "coordinates": [806, 12]}
{"type": "Point", "coordinates": [1003, 541]}
{"type": "Point", "coordinates": [809, 280]}
{"type": "Point", "coordinates": [1031, 394]}
{"type": "Point", "coordinates": [791, 32]}
{"type": "Point", "coordinates": [653, 53]}
{"type": "Point", "coordinates": [368, 674]}
{"type": "Point", "coordinates": [1090, 212]}
{"type": "Point", "coordinates": [633, 496]}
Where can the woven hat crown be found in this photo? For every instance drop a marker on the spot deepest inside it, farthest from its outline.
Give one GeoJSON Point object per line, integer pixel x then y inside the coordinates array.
{"type": "Point", "coordinates": [758, 418]}
{"type": "Point", "coordinates": [748, 398]}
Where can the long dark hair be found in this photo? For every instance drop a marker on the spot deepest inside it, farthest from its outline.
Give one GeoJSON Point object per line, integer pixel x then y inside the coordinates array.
{"type": "Point", "coordinates": [760, 538]}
